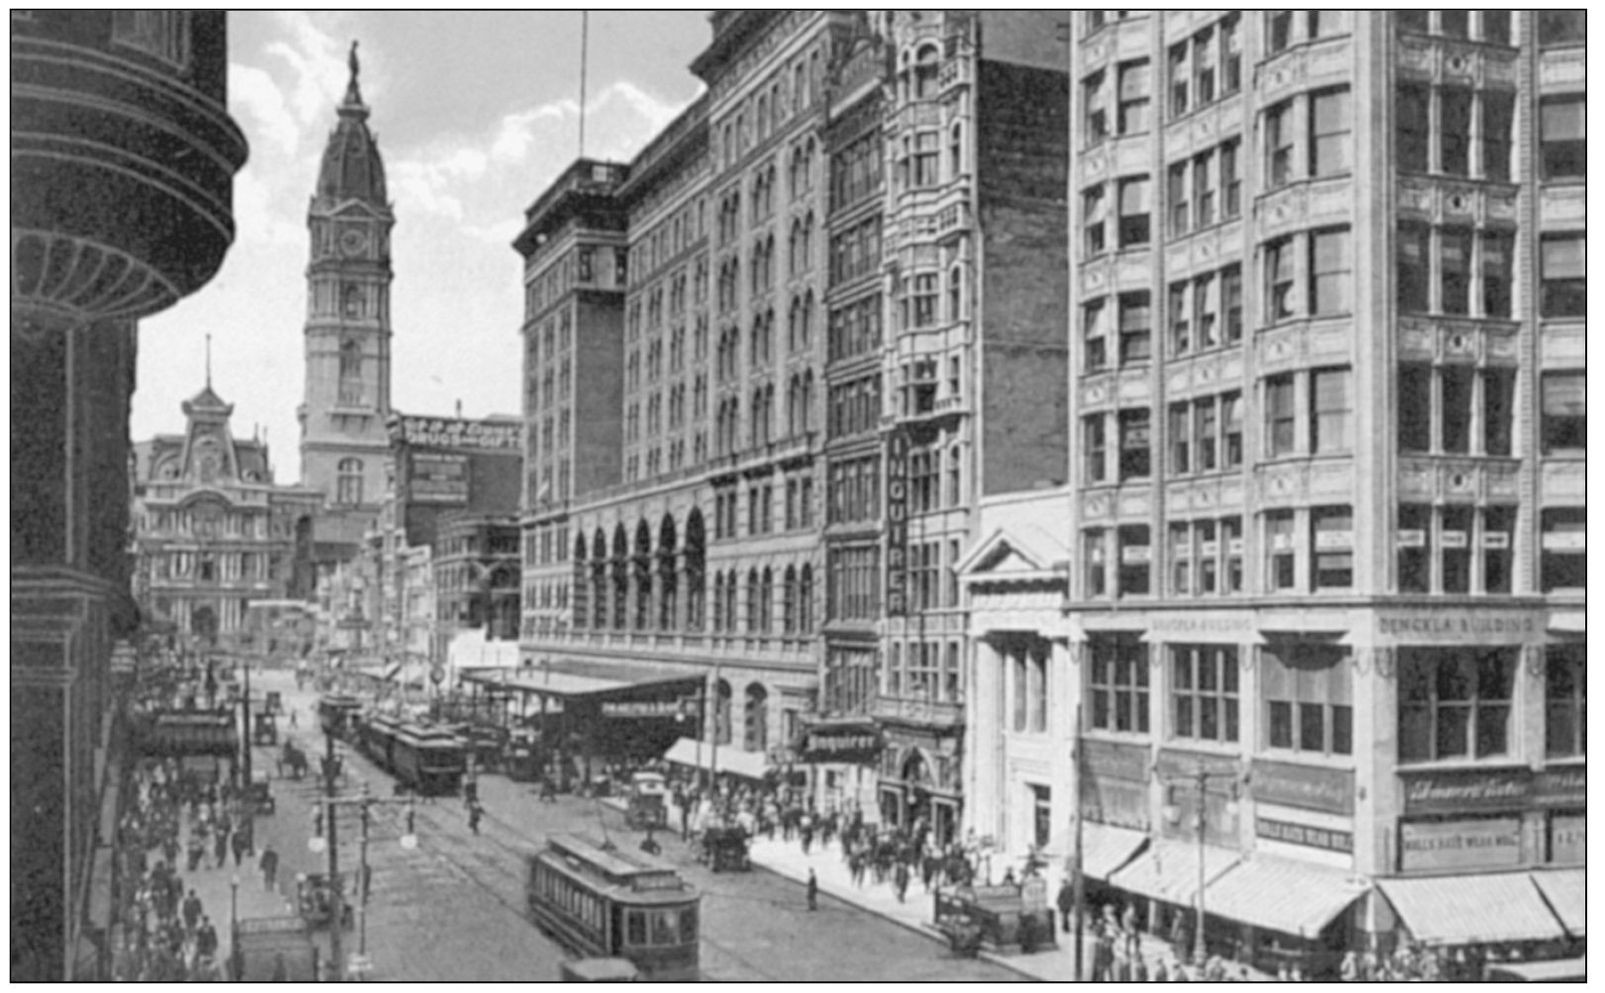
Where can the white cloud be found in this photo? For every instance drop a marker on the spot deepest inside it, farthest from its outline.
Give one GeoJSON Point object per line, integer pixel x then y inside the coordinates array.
{"type": "Point", "coordinates": [317, 65]}
{"type": "Point", "coordinates": [258, 214]}
{"type": "Point", "coordinates": [254, 92]}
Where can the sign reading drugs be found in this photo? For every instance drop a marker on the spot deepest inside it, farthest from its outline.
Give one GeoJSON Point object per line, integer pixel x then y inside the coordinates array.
{"type": "Point", "coordinates": [452, 432]}
{"type": "Point", "coordinates": [897, 524]}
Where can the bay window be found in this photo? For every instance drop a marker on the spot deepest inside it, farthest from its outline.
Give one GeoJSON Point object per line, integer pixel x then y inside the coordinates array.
{"type": "Point", "coordinates": [1330, 122]}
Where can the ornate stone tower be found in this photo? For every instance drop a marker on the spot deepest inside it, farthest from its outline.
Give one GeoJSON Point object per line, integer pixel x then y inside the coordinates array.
{"type": "Point", "coordinates": [344, 448]}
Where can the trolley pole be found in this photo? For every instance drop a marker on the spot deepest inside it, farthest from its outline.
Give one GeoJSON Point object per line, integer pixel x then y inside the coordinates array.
{"type": "Point", "coordinates": [336, 952]}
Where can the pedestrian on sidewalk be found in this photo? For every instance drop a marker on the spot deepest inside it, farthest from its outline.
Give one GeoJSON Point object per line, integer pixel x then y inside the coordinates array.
{"type": "Point", "coordinates": [900, 880]}
{"type": "Point", "coordinates": [813, 890]}
{"type": "Point", "coordinates": [1128, 928]}
{"type": "Point", "coordinates": [242, 844]}
{"type": "Point", "coordinates": [473, 818]}
{"type": "Point", "coordinates": [220, 845]}
{"type": "Point", "coordinates": [269, 863]}
{"type": "Point", "coordinates": [192, 911]}
{"type": "Point", "coordinates": [196, 849]}
{"type": "Point", "coordinates": [205, 941]}
{"type": "Point", "coordinates": [1066, 902]}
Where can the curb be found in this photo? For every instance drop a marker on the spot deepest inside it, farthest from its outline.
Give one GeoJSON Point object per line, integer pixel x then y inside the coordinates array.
{"type": "Point", "coordinates": [922, 929]}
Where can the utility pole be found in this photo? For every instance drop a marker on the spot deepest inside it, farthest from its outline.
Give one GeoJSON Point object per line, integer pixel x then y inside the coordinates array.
{"type": "Point", "coordinates": [336, 953]}
{"type": "Point", "coordinates": [1079, 892]}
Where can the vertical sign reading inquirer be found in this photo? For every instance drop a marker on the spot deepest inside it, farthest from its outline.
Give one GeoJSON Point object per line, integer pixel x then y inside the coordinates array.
{"type": "Point", "coordinates": [897, 523]}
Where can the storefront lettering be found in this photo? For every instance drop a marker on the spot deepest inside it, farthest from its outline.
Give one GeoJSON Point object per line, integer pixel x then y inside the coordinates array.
{"type": "Point", "coordinates": [1307, 787]}
{"type": "Point", "coordinates": [1568, 838]}
{"type": "Point", "coordinates": [1304, 834]}
{"type": "Point", "coordinates": [1459, 844]}
{"type": "Point", "coordinates": [1456, 625]}
{"type": "Point", "coordinates": [1561, 788]}
{"type": "Point", "coordinates": [897, 517]}
{"type": "Point", "coordinates": [1448, 792]}
{"type": "Point", "coordinates": [1232, 624]}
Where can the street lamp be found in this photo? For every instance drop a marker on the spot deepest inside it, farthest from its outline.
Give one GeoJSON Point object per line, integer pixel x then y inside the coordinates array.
{"type": "Point", "coordinates": [1200, 779]}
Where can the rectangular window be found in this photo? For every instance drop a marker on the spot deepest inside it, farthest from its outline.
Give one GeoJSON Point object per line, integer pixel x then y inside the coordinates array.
{"type": "Point", "coordinates": [1204, 67]}
{"type": "Point", "coordinates": [1308, 691]}
{"type": "Point", "coordinates": [1415, 408]}
{"type": "Point", "coordinates": [1179, 209]}
{"type": "Point", "coordinates": [1181, 559]}
{"type": "Point", "coordinates": [1332, 548]}
{"type": "Point", "coordinates": [1095, 446]}
{"type": "Point", "coordinates": [1563, 141]}
{"type": "Point", "coordinates": [1205, 420]}
{"type": "Point", "coordinates": [1454, 548]}
{"type": "Point", "coordinates": [1231, 293]}
{"type": "Point", "coordinates": [1498, 117]}
{"type": "Point", "coordinates": [1117, 682]}
{"type": "Point", "coordinates": [1564, 276]}
{"type": "Point", "coordinates": [1135, 558]}
{"type": "Point", "coordinates": [1455, 704]}
{"type": "Point", "coordinates": [1180, 322]}
{"type": "Point", "coordinates": [1454, 279]}
{"type": "Point", "coordinates": [1454, 130]}
{"type": "Point", "coordinates": [1330, 272]}
{"type": "Point", "coordinates": [1134, 97]}
{"type": "Point", "coordinates": [1498, 526]}
{"type": "Point", "coordinates": [1279, 279]}
{"type": "Point", "coordinates": [1208, 557]}
{"type": "Point", "coordinates": [1231, 182]}
{"type": "Point", "coordinates": [1563, 546]}
{"type": "Point", "coordinates": [1134, 207]}
{"type": "Point", "coordinates": [1562, 27]}
{"type": "Point", "coordinates": [1565, 701]}
{"type": "Point", "coordinates": [1331, 411]}
{"type": "Point", "coordinates": [1329, 133]}
{"type": "Point", "coordinates": [1498, 410]}
{"type": "Point", "coordinates": [1093, 209]}
{"type": "Point", "coordinates": [1278, 31]}
{"type": "Point", "coordinates": [1095, 105]}
{"type": "Point", "coordinates": [1280, 553]}
{"type": "Point", "coordinates": [1204, 311]}
{"type": "Point", "coordinates": [1231, 45]}
{"type": "Point", "coordinates": [1412, 120]}
{"type": "Point", "coordinates": [1092, 543]}
{"type": "Point", "coordinates": [1281, 415]}
{"type": "Point", "coordinates": [1563, 412]}
{"type": "Point", "coordinates": [1231, 538]}
{"type": "Point", "coordinates": [1412, 540]}
{"type": "Point", "coordinates": [1496, 27]}
{"type": "Point", "coordinates": [1413, 268]}
{"type": "Point", "coordinates": [1180, 74]}
{"type": "Point", "coordinates": [1232, 435]}
{"type": "Point", "coordinates": [1180, 438]}
{"type": "Point", "coordinates": [1136, 332]}
{"type": "Point", "coordinates": [1204, 692]}
{"type": "Point", "coordinates": [1454, 23]}
{"type": "Point", "coordinates": [1134, 443]}
{"type": "Point", "coordinates": [1095, 331]}
{"type": "Point", "coordinates": [1279, 144]}
{"type": "Point", "coordinates": [1204, 188]}
{"type": "Point", "coordinates": [1456, 422]}
{"type": "Point", "coordinates": [1497, 252]}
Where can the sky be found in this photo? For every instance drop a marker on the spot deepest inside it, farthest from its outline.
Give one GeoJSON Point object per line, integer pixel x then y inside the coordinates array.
{"type": "Point", "coordinates": [475, 113]}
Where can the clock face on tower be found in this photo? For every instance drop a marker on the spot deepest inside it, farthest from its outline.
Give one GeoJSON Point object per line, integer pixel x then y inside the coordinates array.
{"type": "Point", "coordinates": [353, 242]}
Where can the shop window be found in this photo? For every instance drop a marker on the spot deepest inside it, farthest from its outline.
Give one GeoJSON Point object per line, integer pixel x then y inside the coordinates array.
{"type": "Point", "coordinates": [1203, 692]}
{"type": "Point", "coordinates": [1564, 276]}
{"type": "Point", "coordinates": [1118, 682]}
{"type": "Point", "coordinates": [1280, 551]}
{"type": "Point", "coordinates": [1095, 446]}
{"type": "Point", "coordinates": [1563, 542]}
{"type": "Point", "coordinates": [1134, 207]}
{"type": "Point", "coordinates": [1332, 545]}
{"type": "Point", "coordinates": [1134, 97]}
{"type": "Point", "coordinates": [1563, 141]}
{"type": "Point", "coordinates": [1308, 692]}
{"type": "Point", "coordinates": [1565, 701]}
{"type": "Point", "coordinates": [1135, 559]}
{"type": "Point", "coordinates": [1135, 439]}
{"type": "Point", "coordinates": [1455, 703]}
{"type": "Point", "coordinates": [1136, 331]}
{"type": "Point", "coordinates": [1564, 413]}
{"type": "Point", "coordinates": [1411, 540]}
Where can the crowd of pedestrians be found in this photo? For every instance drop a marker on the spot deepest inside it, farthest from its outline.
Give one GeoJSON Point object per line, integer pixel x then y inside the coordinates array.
{"type": "Point", "coordinates": [176, 822]}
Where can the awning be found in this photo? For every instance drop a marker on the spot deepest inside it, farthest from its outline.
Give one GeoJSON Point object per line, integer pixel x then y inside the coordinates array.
{"type": "Point", "coordinates": [688, 752]}
{"type": "Point", "coordinates": [1168, 871]}
{"type": "Point", "coordinates": [1105, 849]}
{"type": "Point", "coordinates": [589, 680]}
{"type": "Point", "coordinates": [1472, 910]}
{"type": "Point", "coordinates": [1282, 894]}
{"type": "Point", "coordinates": [1567, 893]}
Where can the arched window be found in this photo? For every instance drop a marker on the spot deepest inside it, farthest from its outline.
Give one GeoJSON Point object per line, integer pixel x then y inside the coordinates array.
{"type": "Point", "coordinates": [788, 600]}
{"type": "Point", "coordinates": [599, 580]}
{"type": "Point", "coordinates": [718, 602]}
{"type": "Point", "coordinates": [955, 491]}
{"type": "Point", "coordinates": [668, 578]}
{"type": "Point", "coordinates": [582, 582]}
{"type": "Point", "coordinates": [721, 712]}
{"type": "Point", "coordinates": [955, 151]}
{"type": "Point", "coordinates": [643, 577]}
{"type": "Point", "coordinates": [351, 300]}
{"type": "Point", "coordinates": [621, 578]}
{"type": "Point", "coordinates": [348, 484]}
{"type": "Point", "coordinates": [755, 730]}
{"type": "Point", "coordinates": [805, 329]}
{"type": "Point", "coordinates": [695, 568]}
{"type": "Point", "coordinates": [925, 72]}
{"type": "Point", "coordinates": [955, 293]}
{"type": "Point", "coordinates": [731, 584]}
{"type": "Point", "coordinates": [805, 600]}
{"type": "Point", "coordinates": [766, 601]}
{"type": "Point", "coordinates": [754, 603]}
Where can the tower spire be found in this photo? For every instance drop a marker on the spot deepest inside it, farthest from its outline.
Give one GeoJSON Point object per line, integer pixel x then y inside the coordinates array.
{"type": "Point", "coordinates": [353, 93]}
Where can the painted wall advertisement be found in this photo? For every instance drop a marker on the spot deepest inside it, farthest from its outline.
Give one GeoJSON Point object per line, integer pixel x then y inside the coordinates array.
{"type": "Point", "coordinates": [1306, 787]}
{"type": "Point", "coordinates": [1470, 844]}
{"type": "Point", "coordinates": [1305, 834]}
{"type": "Point", "coordinates": [1114, 784]}
{"type": "Point", "coordinates": [1463, 790]}
{"type": "Point", "coordinates": [452, 432]}
{"type": "Point", "coordinates": [438, 478]}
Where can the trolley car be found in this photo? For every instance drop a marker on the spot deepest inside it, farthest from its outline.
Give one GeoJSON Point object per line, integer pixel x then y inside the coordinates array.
{"type": "Point", "coordinates": [337, 714]}
{"type": "Point", "coordinates": [430, 761]}
{"type": "Point", "coordinates": [597, 900]}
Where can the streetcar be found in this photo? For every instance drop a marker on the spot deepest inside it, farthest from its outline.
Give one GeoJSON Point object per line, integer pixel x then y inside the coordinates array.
{"type": "Point", "coordinates": [374, 736]}
{"type": "Point", "coordinates": [337, 714]}
{"type": "Point", "coordinates": [429, 761]}
{"type": "Point", "coordinates": [602, 901]}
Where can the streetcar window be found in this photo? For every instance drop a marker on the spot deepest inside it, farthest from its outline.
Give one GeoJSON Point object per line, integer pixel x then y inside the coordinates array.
{"type": "Point", "coordinates": [636, 928]}
{"type": "Point", "coordinates": [688, 926]}
{"type": "Point", "coordinates": [665, 930]}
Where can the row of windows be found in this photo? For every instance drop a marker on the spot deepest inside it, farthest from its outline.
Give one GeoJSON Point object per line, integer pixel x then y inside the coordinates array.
{"type": "Point", "coordinates": [769, 106]}
{"type": "Point", "coordinates": [856, 170]}
{"type": "Point", "coordinates": [1459, 410]}
{"type": "Point", "coordinates": [796, 601]}
{"type": "Point", "coordinates": [1491, 26]}
{"type": "Point", "coordinates": [853, 490]}
{"type": "Point", "coordinates": [1454, 130]}
{"type": "Point", "coordinates": [853, 576]}
{"type": "Point", "coordinates": [922, 670]}
{"type": "Point", "coordinates": [1193, 63]}
{"type": "Point", "coordinates": [855, 407]}
{"type": "Point", "coordinates": [855, 329]}
{"type": "Point", "coordinates": [855, 251]}
{"type": "Point", "coordinates": [1453, 703]}
{"type": "Point", "coordinates": [1195, 183]}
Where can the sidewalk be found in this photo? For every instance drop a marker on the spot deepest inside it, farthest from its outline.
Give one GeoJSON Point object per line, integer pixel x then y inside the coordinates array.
{"type": "Point", "coordinates": [1056, 964]}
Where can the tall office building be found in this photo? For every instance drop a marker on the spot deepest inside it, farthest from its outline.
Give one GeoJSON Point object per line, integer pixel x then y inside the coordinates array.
{"type": "Point", "coordinates": [1327, 513]}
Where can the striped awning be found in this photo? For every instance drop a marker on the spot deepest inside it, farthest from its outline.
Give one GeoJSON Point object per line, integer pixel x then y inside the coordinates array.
{"type": "Point", "coordinates": [1105, 849]}
{"type": "Point", "coordinates": [1281, 894]}
{"type": "Point", "coordinates": [1472, 910]}
{"type": "Point", "coordinates": [1168, 871]}
{"type": "Point", "coordinates": [1567, 893]}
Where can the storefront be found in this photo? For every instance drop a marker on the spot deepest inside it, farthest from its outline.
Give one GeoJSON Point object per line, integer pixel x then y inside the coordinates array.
{"type": "Point", "coordinates": [919, 781]}
{"type": "Point", "coordinates": [843, 756]}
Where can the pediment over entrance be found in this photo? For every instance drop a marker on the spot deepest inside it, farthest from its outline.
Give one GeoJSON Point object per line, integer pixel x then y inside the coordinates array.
{"type": "Point", "coordinates": [1015, 552]}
